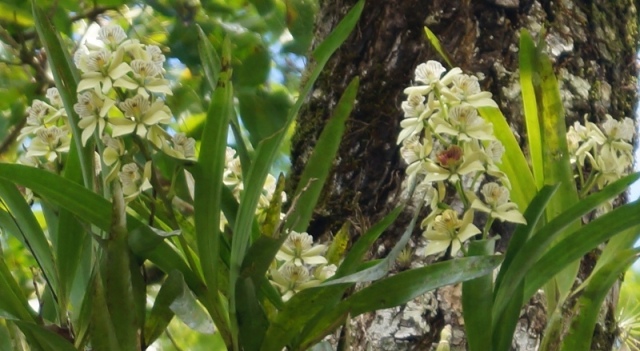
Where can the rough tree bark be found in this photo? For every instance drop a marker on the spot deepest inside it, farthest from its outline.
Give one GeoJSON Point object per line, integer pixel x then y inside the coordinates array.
{"type": "Point", "coordinates": [593, 43]}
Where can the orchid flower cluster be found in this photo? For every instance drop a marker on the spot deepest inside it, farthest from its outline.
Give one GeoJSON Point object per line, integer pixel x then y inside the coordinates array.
{"type": "Point", "coordinates": [50, 134]}
{"type": "Point", "coordinates": [299, 264]}
{"type": "Point", "coordinates": [601, 155]}
{"type": "Point", "coordinates": [447, 145]}
{"type": "Point", "coordinates": [120, 101]}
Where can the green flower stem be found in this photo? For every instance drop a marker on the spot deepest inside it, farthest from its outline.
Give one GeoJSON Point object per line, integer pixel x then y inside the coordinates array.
{"type": "Point", "coordinates": [444, 142]}
{"type": "Point", "coordinates": [487, 227]}
{"type": "Point", "coordinates": [106, 187]}
{"type": "Point", "coordinates": [591, 181]}
{"type": "Point", "coordinates": [463, 196]}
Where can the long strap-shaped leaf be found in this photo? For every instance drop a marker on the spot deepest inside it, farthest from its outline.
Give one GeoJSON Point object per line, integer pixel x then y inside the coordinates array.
{"type": "Point", "coordinates": [321, 160]}
{"type": "Point", "coordinates": [13, 303]}
{"type": "Point", "coordinates": [527, 58]}
{"type": "Point", "coordinates": [580, 242]}
{"type": "Point", "coordinates": [590, 302]}
{"type": "Point", "coordinates": [556, 164]}
{"type": "Point", "coordinates": [78, 167]}
{"type": "Point", "coordinates": [477, 301]}
{"type": "Point", "coordinates": [536, 247]}
{"type": "Point", "coordinates": [29, 232]}
{"type": "Point", "coordinates": [403, 287]}
{"type": "Point", "coordinates": [209, 172]}
{"type": "Point", "coordinates": [266, 153]}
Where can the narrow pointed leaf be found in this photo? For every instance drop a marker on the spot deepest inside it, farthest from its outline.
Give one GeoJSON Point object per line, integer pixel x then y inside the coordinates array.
{"type": "Point", "coordinates": [321, 160]}
{"type": "Point", "coordinates": [590, 302]}
{"type": "Point", "coordinates": [13, 303]}
{"type": "Point", "coordinates": [477, 301]}
{"type": "Point", "coordinates": [211, 62]}
{"type": "Point", "coordinates": [527, 66]}
{"type": "Point", "coordinates": [536, 247]}
{"type": "Point", "coordinates": [30, 234]}
{"type": "Point", "coordinates": [46, 339]}
{"type": "Point", "coordinates": [404, 286]}
{"type": "Point", "coordinates": [533, 214]}
{"type": "Point", "coordinates": [209, 173]}
{"type": "Point", "coordinates": [580, 242]}
{"type": "Point", "coordinates": [290, 322]}
{"type": "Point", "coordinates": [435, 42]}
{"type": "Point", "coordinates": [556, 163]}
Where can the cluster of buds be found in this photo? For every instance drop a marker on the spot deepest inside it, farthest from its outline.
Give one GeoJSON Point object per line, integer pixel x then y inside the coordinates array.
{"type": "Point", "coordinates": [299, 265]}
{"type": "Point", "coordinates": [448, 145]}
{"type": "Point", "coordinates": [601, 155]}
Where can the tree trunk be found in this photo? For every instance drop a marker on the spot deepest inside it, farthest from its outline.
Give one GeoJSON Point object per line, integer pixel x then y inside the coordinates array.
{"type": "Point", "coordinates": [593, 45]}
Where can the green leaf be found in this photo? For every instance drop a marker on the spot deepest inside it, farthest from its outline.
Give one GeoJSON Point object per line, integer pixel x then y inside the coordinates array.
{"type": "Point", "coordinates": [252, 320]}
{"type": "Point", "coordinates": [618, 243]}
{"type": "Point", "coordinates": [556, 163]}
{"type": "Point", "coordinates": [30, 234]}
{"type": "Point", "coordinates": [320, 162]}
{"type": "Point", "coordinates": [404, 286]}
{"type": "Point", "coordinates": [435, 42]}
{"type": "Point", "coordinates": [590, 302]}
{"type": "Point", "coordinates": [210, 60]}
{"type": "Point", "coordinates": [191, 313]}
{"type": "Point", "coordinates": [527, 69]}
{"type": "Point", "coordinates": [505, 323]}
{"type": "Point", "coordinates": [514, 164]}
{"type": "Point", "coordinates": [536, 247]}
{"type": "Point", "coordinates": [66, 77]}
{"type": "Point", "coordinates": [208, 176]}
{"type": "Point", "coordinates": [289, 322]}
{"type": "Point", "coordinates": [523, 233]}
{"type": "Point", "coordinates": [13, 303]}
{"type": "Point", "coordinates": [46, 339]}
{"type": "Point", "coordinates": [477, 301]}
{"type": "Point", "coordinates": [79, 164]}
{"type": "Point", "coordinates": [101, 329]}
{"type": "Point", "coordinates": [97, 210]}
{"type": "Point", "coordinates": [579, 243]}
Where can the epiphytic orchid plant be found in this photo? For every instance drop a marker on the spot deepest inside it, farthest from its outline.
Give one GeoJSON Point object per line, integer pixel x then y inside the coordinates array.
{"type": "Point", "coordinates": [123, 193]}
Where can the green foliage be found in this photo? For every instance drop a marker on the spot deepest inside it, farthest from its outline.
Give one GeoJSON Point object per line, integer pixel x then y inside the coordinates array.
{"type": "Point", "coordinates": [212, 235]}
